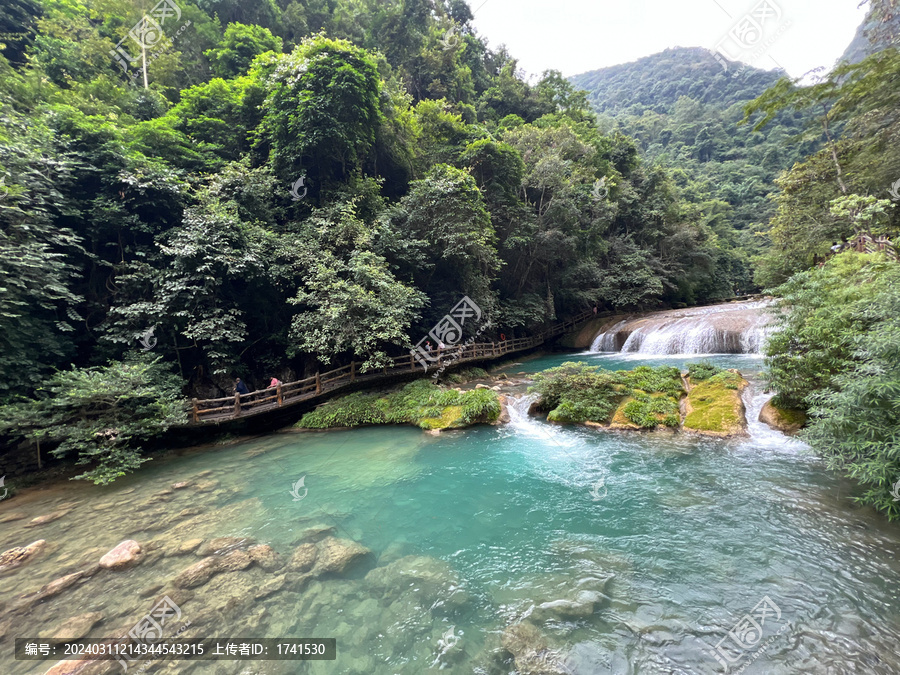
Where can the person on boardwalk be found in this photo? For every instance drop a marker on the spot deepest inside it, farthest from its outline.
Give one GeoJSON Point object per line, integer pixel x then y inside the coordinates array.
{"type": "Point", "coordinates": [274, 383]}
{"type": "Point", "coordinates": [240, 387]}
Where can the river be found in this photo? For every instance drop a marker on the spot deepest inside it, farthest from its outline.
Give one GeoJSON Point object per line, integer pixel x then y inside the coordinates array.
{"type": "Point", "coordinates": [674, 540]}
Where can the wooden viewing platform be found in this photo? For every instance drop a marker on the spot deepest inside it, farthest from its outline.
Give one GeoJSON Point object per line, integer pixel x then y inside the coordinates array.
{"type": "Point", "coordinates": [217, 410]}
{"type": "Point", "coordinates": [862, 243]}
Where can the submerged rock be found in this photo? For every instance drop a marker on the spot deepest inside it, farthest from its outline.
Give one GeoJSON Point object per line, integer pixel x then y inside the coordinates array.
{"type": "Point", "coordinates": [264, 556]}
{"type": "Point", "coordinates": [14, 515]}
{"type": "Point", "coordinates": [188, 547]}
{"type": "Point", "coordinates": [75, 628]}
{"type": "Point", "coordinates": [530, 650]}
{"type": "Point", "coordinates": [197, 574]}
{"type": "Point", "coordinates": [336, 555]}
{"type": "Point", "coordinates": [14, 557]}
{"type": "Point", "coordinates": [59, 585]}
{"type": "Point", "coordinates": [304, 558]}
{"type": "Point", "coordinates": [48, 518]}
{"type": "Point", "coordinates": [429, 581]}
{"type": "Point", "coordinates": [315, 533]}
{"type": "Point", "coordinates": [221, 545]}
{"type": "Point", "coordinates": [123, 555]}
{"type": "Point", "coordinates": [582, 606]}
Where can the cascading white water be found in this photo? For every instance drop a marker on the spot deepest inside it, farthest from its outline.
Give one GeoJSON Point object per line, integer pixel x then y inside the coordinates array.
{"type": "Point", "coordinates": [734, 328]}
{"type": "Point", "coordinates": [761, 434]}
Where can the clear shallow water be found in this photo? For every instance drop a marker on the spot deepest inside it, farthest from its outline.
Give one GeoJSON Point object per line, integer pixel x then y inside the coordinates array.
{"type": "Point", "coordinates": [693, 531]}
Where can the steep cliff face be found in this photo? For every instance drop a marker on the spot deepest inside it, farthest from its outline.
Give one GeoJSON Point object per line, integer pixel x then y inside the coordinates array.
{"type": "Point", "coordinates": [874, 34]}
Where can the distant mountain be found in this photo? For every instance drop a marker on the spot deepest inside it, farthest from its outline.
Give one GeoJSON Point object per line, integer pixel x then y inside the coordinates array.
{"type": "Point", "coordinates": [657, 82]}
{"type": "Point", "coordinates": [683, 110]}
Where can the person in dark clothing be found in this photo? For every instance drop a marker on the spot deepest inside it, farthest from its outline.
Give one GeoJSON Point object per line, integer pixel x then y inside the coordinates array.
{"type": "Point", "coordinates": [240, 387]}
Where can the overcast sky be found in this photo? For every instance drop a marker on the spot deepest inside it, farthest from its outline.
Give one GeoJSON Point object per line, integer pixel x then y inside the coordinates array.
{"type": "Point", "coordinates": [574, 36]}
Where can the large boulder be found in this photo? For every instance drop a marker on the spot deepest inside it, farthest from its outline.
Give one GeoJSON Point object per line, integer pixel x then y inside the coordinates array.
{"type": "Point", "coordinates": [782, 419]}
{"type": "Point", "coordinates": [123, 555]}
{"type": "Point", "coordinates": [14, 557]}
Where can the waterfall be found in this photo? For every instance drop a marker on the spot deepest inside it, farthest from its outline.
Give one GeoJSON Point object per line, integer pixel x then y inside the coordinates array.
{"type": "Point", "coordinates": [518, 409]}
{"type": "Point", "coordinates": [761, 434]}
{"type": "Point", "coordinates": [733, 328]}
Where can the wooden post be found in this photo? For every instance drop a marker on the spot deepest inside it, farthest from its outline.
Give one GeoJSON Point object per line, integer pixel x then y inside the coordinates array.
{"type": "Point", "coordinates": [352, 371]}
{"type": "Point", "coordinates": [196, 412]}
{"type": "Point", "coordinates": [278, 393]}
{"type": "Point", "coordinates": [237, 405]}
{"type": "Point", "coordinates": [412, 362]}
{"type": "Point", "coordinates": [318, 384]}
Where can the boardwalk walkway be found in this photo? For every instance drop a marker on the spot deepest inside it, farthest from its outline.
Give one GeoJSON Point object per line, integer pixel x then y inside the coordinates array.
{"type": "Point", "coordinates": [217, 410]}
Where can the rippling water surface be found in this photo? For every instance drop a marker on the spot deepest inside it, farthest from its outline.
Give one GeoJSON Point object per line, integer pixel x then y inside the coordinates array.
{"type": "Point", "coordinates": [474, 530]}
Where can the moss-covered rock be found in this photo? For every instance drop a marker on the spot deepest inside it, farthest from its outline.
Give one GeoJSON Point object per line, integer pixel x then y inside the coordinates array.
{"type": "Point", "coordinates": [421, 403]}
{"type": "Point", "coordinates": [643, 398]}
{"type": "Point", "coordinates": [714, 406]}
{"type": "Point", "coordinates": [785, 420]}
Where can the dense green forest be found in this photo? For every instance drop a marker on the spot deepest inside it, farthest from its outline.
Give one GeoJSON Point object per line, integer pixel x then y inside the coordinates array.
{"type": "Point", "coordinates": [423, 168]}
{"type": "Point", "coordinates": [264, 189]}
{"type": "Point", "coordinates": [684, 111]}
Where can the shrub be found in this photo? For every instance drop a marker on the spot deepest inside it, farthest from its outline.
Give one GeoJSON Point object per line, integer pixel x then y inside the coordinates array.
{"type": "Point", "coordinates": [421, 403]}
{"type": "Point", "coordinates": [837, 355]}
{"type": "Point", "coordinates": [576, 392]}
{"type": "Point", "coordinates": [702, 371]}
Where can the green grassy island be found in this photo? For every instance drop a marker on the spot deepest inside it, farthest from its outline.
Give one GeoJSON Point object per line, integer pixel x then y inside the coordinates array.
{"type": "Point", "coordinates": [420, 403]}
{"type": "Point", "coordinates": [707, 400]}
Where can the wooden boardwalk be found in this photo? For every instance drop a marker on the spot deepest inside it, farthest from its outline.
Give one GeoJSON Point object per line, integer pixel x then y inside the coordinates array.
{"type": "Point", "coordinates": [217, 410]}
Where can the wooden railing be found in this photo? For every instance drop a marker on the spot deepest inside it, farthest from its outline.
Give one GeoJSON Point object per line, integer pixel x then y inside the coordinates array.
{"type": "Point", "coordinates": [288, 393]}
{"type": "Point", "coordinates": [863, 243]}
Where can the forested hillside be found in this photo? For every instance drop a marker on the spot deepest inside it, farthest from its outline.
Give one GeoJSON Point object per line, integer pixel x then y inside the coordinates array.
{"type": "Point", "coordinates": [684, 110]}
{"type": "Point", "coordinates": [272, 187]}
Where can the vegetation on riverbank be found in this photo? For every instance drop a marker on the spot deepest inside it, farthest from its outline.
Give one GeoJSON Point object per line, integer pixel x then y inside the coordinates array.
{"type": "Point", "coordinates": [837, 356]}
{"type": "Point", "coordinates": [420, 403]}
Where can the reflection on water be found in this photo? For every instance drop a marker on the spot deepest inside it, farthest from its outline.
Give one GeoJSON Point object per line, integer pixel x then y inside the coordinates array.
{"type": "Point", "coordinates": [478, 531]}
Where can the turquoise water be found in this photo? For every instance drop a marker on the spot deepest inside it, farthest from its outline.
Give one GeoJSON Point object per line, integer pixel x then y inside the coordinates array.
{"type": "Point", "coordinates": [683, 535]}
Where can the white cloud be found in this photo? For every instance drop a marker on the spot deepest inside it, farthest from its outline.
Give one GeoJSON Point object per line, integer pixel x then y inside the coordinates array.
{"type": "Point", "coordinates": [574, 36]}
